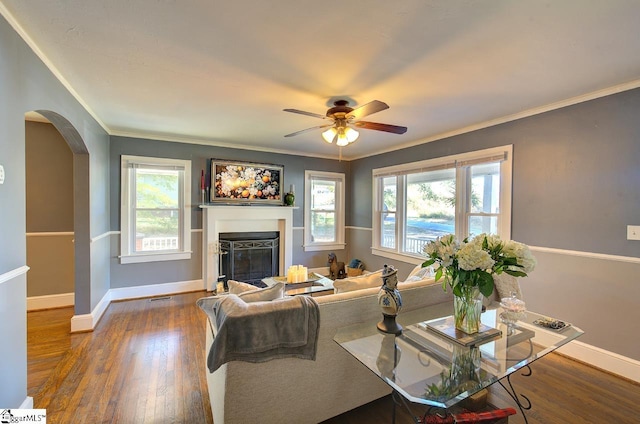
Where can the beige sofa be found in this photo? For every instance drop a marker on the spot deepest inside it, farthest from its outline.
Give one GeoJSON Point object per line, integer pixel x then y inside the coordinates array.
{"type": "Point", "coordinates": [293, 390]}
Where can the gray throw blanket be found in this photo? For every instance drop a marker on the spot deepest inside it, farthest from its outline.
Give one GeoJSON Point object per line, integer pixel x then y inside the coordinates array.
{"type": "Point", "coordinates": [261, 331]}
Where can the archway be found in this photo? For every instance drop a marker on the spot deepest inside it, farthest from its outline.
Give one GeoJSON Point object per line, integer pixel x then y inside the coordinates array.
{"type": "Point", "coordinates": [81, 209]}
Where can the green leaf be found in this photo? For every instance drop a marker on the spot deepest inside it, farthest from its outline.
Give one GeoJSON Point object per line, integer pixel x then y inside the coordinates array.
{"type": "Point", "coordinates": [515, 273]}
{"type": "Point", "coordinates": [439, 273]}
{"type": "Point", "coordinates": [464, 275]}
{"type": "Point", "coordinates": [510, 261]}
{"type": "Point", "coordinates": [485, 283]}
{"type": "Point", "coordinates": [428, 263]}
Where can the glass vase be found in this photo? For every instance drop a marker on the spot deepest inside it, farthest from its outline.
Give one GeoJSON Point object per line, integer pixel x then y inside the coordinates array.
{"type": "Point", "coordinates": [467, 309]}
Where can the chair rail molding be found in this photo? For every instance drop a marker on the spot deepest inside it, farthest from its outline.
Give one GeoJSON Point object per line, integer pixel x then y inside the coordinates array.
{"type": "Point", "coordinates": [8, 276]}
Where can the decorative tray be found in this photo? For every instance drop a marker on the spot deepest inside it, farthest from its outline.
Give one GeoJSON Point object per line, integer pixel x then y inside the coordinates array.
{"type": "Point", "coordinates": [312, 278]}
{"type": "Point", "coordinates": [552, 324]}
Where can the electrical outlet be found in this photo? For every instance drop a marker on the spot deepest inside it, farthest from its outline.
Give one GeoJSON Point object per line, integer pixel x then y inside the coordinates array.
{"type": "Point", "coordinates": [633, 232]}
{"type": "Point", "coordinates": [1, 174]}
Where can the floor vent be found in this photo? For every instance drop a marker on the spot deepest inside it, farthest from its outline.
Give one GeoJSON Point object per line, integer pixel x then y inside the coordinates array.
{"type": "Point", "coordinates": [155, 299]}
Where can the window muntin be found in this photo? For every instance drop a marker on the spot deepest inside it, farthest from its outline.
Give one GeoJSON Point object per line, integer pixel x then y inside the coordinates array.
{"type": "Point", "coordinates": [156, 222]}
{"type": "Point", "coordinates": [459, 194]}
{"type": "Point", "coordinates": [324, 210]}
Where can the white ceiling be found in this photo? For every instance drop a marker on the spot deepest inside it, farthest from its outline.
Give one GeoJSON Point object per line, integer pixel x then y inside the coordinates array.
{"type": "Point", "coordinates": [220, 72]}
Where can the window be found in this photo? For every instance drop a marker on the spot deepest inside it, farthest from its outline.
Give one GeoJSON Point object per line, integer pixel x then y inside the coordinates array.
{"type": "Point", "coordinates": [466, 194]}
{"type": "Point", "coordinates": [324, 211]}
{"type": "Point", "coordinates": [155, 214]}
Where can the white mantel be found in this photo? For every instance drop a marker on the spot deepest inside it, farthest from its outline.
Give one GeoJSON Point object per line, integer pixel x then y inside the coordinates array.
{"type": "Point", "coordinates": [218, 219]}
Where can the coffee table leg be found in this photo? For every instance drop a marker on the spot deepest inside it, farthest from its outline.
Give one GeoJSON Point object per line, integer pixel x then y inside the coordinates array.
{"type": "Point", "coordinates": [523, 405]}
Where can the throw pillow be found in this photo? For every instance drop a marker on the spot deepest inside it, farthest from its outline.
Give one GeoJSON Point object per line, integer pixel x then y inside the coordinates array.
{"type": "Point", "coordinates": [360, 282]}
{"type": "Point", "coordinates": [420, 272]}
{"type": "Point", "coordinates": [270, 293]}
{"type": "Point", "coordinates": [506, 285]}
{"type": "Point", "coordinates": [237, 287]}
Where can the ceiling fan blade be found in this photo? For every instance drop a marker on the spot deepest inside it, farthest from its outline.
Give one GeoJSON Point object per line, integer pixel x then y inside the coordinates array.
{"type": "Point", "coordinates": [380, 127]}
{"type": "Point", "coordinates": [308, 129]}
{"type": "Point", "coordinates": [302, 112]}
{"type": "Point", "coordinates": [367, 109]}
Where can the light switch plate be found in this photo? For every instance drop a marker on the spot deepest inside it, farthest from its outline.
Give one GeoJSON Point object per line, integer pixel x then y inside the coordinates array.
{"type": "Point", "coordinates": [633, 232]}
{"type": "Point", "coordinates": [1, 174]}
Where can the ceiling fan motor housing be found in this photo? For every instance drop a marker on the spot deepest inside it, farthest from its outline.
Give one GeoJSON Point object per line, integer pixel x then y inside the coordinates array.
{"type": "Point", "coordinates": [340, 110]}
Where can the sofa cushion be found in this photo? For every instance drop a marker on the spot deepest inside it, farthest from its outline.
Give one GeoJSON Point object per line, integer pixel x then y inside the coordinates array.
{"type": "Point", "coordinates": [237, 287]}
{"type": "Point", "coordinates": [360, 282]}
{"type": "Point", "coordinates": [260, 295]}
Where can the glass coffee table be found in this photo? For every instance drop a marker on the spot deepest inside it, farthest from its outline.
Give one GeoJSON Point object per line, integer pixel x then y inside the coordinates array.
{"type": "Point", "coordinates": [425, 365]}
{"type": "Point", "coordinates": [317, 285]}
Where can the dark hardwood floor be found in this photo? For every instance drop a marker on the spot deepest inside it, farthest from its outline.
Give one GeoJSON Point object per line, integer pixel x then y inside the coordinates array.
{"type": "Point", "coordinates": [144, 364]}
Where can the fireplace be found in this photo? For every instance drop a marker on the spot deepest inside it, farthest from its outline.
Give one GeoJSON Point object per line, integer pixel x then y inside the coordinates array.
{"type": "Point", "coordinates": [249, 256]}
{"type": "Point", "coordinates": [219, 219]}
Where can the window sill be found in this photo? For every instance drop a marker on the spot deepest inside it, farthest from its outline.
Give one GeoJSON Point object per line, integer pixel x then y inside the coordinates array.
{"type": "Point", "coordinates": [326, 246]}
{"type": "Point", "coordinates": [154, 257]}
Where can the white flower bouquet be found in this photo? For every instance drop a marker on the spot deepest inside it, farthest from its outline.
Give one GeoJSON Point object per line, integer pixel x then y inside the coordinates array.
{"type": "Point", "coordinates": [468, 268]}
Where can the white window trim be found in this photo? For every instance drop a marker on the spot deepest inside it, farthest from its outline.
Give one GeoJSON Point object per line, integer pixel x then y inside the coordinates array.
{"type": "Point", "coordinates": [459, 160]}
{"type": "Point", "coordinates": [128, 257]}
{"type": "Point", "coordinates": [309, 245]}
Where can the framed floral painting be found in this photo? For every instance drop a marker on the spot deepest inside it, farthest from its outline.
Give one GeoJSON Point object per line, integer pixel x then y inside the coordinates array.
{"type": "Point", "coordinates": [244, 182]}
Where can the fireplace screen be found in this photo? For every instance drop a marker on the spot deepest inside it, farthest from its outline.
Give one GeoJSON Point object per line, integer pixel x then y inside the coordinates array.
{"type": "Point", "coordinates": [249, 257]}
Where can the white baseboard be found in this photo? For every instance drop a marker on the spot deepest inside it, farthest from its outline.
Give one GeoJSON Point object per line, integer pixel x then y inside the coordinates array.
{"type": "Point", "coordinates": [50, 301]}
{"type": "Point", "coordinates": [87, 322]}
{"type": "Point", "coordinates": [592, 355]}
{"type": "Point", "coordinates": [603, 359]}
{"type": "Point", "coordinates": [155, 290]}
{"type": "Point", "coordinates": [27, 403]}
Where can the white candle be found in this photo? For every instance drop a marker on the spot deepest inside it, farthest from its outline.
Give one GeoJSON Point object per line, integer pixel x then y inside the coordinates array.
{"type": "Point", "coordinates": [293, 189]}
{"type": "Point", "coordinates": [290, 275]}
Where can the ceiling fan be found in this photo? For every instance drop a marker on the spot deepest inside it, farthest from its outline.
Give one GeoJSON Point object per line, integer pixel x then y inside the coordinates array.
{"type": "Point", "coordinates": [345, 118]}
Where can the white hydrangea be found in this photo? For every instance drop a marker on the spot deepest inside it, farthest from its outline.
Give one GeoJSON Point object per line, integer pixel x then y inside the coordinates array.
{"type": "Point", "coordinates": [471, 256]}
{"type": "Point", "coordinates": [493, 240]}
{"type": "Point", "coordinates": [522, 253]}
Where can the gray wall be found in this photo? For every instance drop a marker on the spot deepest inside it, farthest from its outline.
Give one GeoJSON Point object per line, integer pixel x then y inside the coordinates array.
{"type": "Point", "coordinates": [129, 275]}
{"type": "Point", "coordinates": [49, 185]}
{"type": "Point", "coordinates": [27, 85]}
{"type": "Point", "coordinates": [576, 179]}
{"type": "Point", "coordinates": [49, 173]}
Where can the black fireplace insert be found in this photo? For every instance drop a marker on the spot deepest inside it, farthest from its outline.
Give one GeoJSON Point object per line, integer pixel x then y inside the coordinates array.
{"type": "Point", "coordinates": [249, 256]}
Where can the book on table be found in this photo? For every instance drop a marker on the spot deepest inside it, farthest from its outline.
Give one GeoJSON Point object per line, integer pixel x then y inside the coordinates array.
{"type": "Point", "coordinates": [446, 327]}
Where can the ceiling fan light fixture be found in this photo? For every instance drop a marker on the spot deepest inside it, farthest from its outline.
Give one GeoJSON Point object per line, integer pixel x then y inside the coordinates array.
{"type": "Point", "coordinates": [346, 135]}
{"type": "Point", "coordinates": [351, 134]}
{"type": "Point", "coordinates": [329, 135]}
